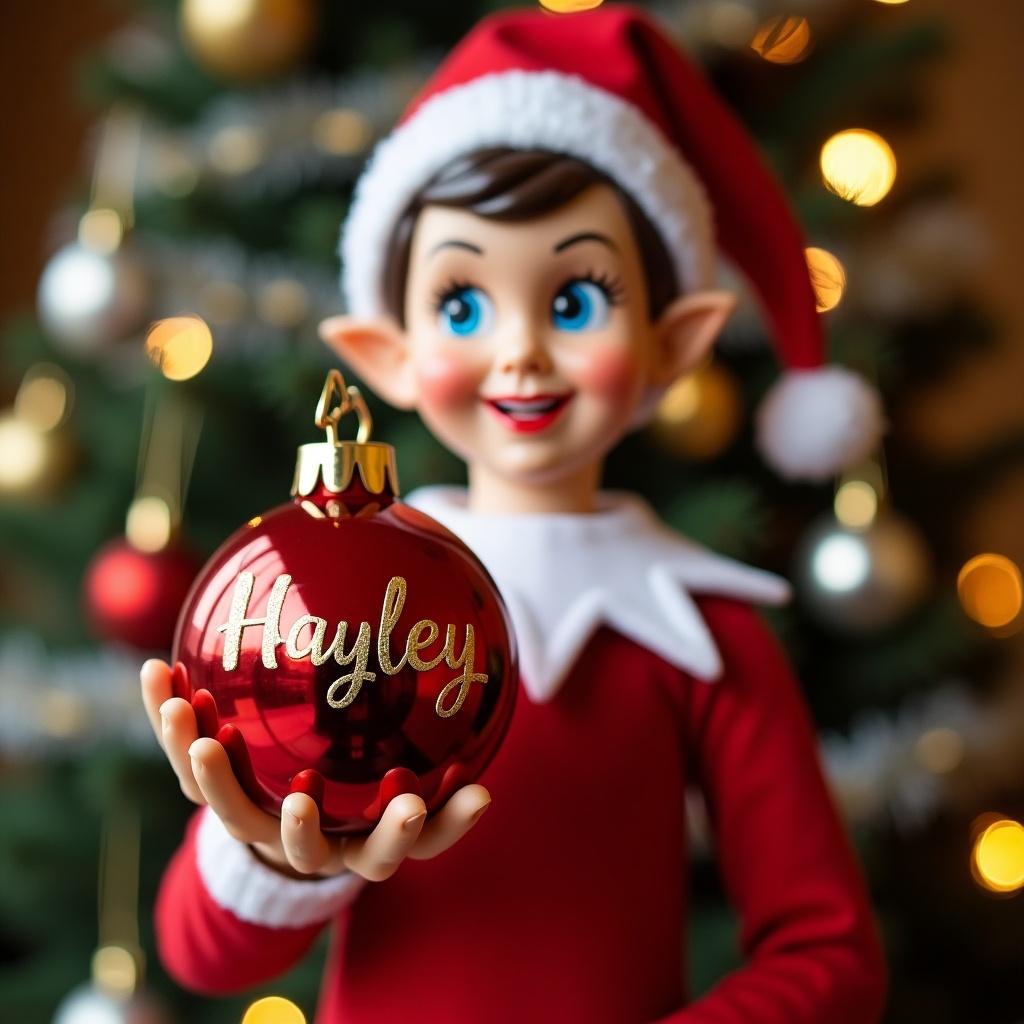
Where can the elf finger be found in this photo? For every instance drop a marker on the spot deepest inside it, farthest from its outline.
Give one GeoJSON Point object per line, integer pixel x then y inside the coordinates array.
{"type": "Point", "coordinates": [378, 855]}
{"type": "Point", "coordinates": [308, 850]}
{"type": "Point", "coordinates": [179, 730]}
{"type": "Point", "coordinates": [221, 790]}
{"type": "Point", "coordinates": [462, 811]}
{"type": "Point", "coordinates": [155, 677]}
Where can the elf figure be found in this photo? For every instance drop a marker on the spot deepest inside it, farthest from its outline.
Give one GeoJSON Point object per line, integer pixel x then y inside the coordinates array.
{"type": "Point", "coordinates": [528, 263]}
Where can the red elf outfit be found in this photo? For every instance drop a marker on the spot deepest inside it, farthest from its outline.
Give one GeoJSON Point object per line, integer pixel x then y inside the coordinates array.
{"type": "Point", "coordinates": [644, 670]}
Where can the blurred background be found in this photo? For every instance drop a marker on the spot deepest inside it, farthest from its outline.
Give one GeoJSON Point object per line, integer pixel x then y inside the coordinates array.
{"type": "Point", "coordinates": [175, 175]}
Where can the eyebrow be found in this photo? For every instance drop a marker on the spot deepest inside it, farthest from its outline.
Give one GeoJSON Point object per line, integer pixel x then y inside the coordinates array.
{"type": "Point", "coordinates": [586, 236]}
{"type": "Point", "coordinates": [456, 243]}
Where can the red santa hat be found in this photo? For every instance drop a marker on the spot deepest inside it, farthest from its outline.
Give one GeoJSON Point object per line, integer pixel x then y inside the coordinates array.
{"type": "Point", "coordinates": [608, 88]}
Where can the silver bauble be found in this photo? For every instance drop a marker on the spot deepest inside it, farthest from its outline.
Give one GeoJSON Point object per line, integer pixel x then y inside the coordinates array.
{"type": "Point", "coordinates": [89, 300]}
{"type": "Point", "coordinates": [862, 580]}
{"type": "Point", "coordinates": [88, 1004]}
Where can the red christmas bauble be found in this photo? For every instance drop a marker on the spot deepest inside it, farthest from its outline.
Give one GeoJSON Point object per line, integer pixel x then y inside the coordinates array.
{"type": "Point", "coordinates": [349, 646]}
{"type": "Point", "coordinates": [133, 597]}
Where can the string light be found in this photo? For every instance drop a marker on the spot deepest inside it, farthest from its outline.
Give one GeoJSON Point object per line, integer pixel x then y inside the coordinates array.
{"type": "Point", "coordinates": [859, 166]}
{"type": "Point", "coordinates": [991, 590]}
{"type": "Point", "coordinates": [828, 278]}
{"type": "Point", "coordinates": [785, 39]}
{"type": "Point", "coordinates": [101, 230]}
{"type": "Point", "coordinates": [180, 346]}
{"type": "Point", "coordinates": [45, 397]}
{"type": "Point", "coordinates": [856, 504]}
{"type": "Point", "coordinates": [342, 131]}
{"type": "Point", "coordinates": [236, 149]}
{"type": "Point", "coordinates": [114, 970]}
{"type": "Point", "coordinates": [940, 750]}
{"type": "Point", "coordinates": [997, 860]}
{"type": "Point", "coordinates": [840, 564]}
{"type": "Point", "coordinates": [149, 525]}
{"type": "Point", "coordinates": [273, 1010]}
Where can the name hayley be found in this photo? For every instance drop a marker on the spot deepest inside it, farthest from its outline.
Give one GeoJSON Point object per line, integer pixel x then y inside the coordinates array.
{"type": "Point", "coordinates": [422, 634]}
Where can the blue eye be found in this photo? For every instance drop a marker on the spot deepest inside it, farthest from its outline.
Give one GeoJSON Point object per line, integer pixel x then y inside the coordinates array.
{"type": "Point", "coordinates": [465, 311]}
{"type": "Point", "coordinates": [580, 306]}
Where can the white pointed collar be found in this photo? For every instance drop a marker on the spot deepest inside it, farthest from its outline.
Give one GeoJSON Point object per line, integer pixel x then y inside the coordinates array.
{"type": "Point", "coordinates": [564, 574]}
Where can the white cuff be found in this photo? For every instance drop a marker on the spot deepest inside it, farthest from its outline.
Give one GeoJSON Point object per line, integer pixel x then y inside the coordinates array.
{"type": "Point", "coordinates": [256, 893]}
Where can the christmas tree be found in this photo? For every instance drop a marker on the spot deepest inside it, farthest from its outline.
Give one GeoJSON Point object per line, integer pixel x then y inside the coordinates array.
{"type": "Point", "coordinates": [160, 390]}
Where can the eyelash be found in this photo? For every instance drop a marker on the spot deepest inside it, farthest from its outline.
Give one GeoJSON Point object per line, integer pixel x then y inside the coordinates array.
{"type": "Point", "coordinates": [613, 288]}
{"type": "Point", "coordinates": [446, 291]}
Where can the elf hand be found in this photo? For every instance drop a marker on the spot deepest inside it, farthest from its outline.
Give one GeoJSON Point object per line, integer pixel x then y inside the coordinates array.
{"type": "Point", "coordinates": [294, 843]}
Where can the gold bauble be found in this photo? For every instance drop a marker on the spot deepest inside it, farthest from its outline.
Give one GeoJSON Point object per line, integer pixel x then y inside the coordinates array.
{"type": "Point", "coordinates": [34, 463]}
{"type": "Point", "coordinates": [248, 40]}
{"type": "Point", "coordinates": [699, 416]}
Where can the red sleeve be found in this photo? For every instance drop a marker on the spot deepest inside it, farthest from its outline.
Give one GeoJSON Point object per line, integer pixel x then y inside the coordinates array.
{"type": "Point", "coordinates": [807, 933]}
{"type": "Point", "coordinates": [210, 949]}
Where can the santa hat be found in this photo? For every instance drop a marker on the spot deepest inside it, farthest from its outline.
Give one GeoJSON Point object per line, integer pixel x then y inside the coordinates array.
{"type": "Point", "coordinates": [607, 87]}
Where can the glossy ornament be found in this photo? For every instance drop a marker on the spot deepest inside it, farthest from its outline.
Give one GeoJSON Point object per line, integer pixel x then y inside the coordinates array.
{"type": "Point", "coordinates": [89, 300]}
{"type": "Point", "coordinates": [346, 645]}
{"type": "Point", "coordinates": [862, 580]}
{"type": "Point", "coordinates": [248, 42]}
{"type": "Point", "coordinates": [133, 597]}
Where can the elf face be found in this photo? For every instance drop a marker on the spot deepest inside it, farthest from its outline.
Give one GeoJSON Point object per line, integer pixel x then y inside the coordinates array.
{"type": "Point", "coordinates": [528, 346]}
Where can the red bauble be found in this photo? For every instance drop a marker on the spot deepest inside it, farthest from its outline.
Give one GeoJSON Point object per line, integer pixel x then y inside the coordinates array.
{"type": "Point", "coordinates": [133, 597]}
{"type": "Point", "coordinates": [380, 660]}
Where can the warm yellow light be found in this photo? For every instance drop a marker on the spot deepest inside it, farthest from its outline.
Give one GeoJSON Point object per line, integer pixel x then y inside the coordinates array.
{"type": "Point", "coordinates": [223, 302]}
{"type": "Point", "coordinates": [101, 230]}
{"type": "Point", "coordinates": [274, 1010]}
{"type": "Point", "coordinates": [23, 453]}
{"type": "Point", "coordinates": [44, 398]}
{"type": "Point", "coordinates": [991, 590]}
{"type": "Point", "coordinates": [180, 345]}
{"type": "Point", "coordinates": [828, 279]}
{"type": "Point", "coordinates": [342, 131]}
{"type": "Point", "coordinates": [568, 6]}
{"type": "Point", "coordinates": [998, 857]}
{"type": "Point", "coordinates": [892, 3]}
{"type": "Point", "coordinates": [283, 302]}
{"type": "Point", "coordinates": [856, 504]}
{"type": "Point", "coordinates": [940, 750]}
{"type": "Point", "coordinates": [785, 39]}
{"type": "Point", "coordinates": [236, 149]}
{"type": "Point", "coordinates": [149, 524]}
{"type": "Point", "coordinates": [114, 970]}
{"type": "Point", "coordinates": [859, 166]}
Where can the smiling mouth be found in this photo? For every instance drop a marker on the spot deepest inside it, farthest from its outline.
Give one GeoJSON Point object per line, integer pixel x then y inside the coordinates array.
{"type": "Point", "coordinates": [527, 415]}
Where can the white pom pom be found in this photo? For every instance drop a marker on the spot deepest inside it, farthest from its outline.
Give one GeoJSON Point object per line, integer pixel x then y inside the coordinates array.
{"type": "Point", "coordinates": [812, 423]}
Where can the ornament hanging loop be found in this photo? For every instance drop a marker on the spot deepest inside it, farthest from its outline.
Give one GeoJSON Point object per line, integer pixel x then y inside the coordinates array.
{"type": "Point", "coordinates": [349, 399]}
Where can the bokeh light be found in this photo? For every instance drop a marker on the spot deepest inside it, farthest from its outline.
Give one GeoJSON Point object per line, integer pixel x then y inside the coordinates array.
{"type": "Point", "coordinates": [828, 278]}
{"type": "Point", "coordinates": [45, 397]}
{"type": "Point", "coordinates": [841, 563]}
{"type": "Point", "coordinates": [273, 1010]}
{"type": "Point", "coordinates": [991, 591]}
{"type": "Point", "coordinates": [101, 230]}
{"type": "Point", "coordinates": [180, 346]}
{"type": "Point", "coordinates": [149, 524]}
{"type": "Point", "coordinates": [237, 149]}
{"type": "Point", "coordinates": [856, 504]}
{"type": "Point", "coordinates": [940, 750]}
{"type": "Point", "coordinates": [785, 39]}
{"type": "Point", "coordinates": [859, 166]}
{"type": "Point", "coordinates": [342, 131]}
{"type": "Point", "coordinates": [114, 970]}
{"type": "Point", "coordinates": [997, 860]}
{"type": "Point", "coordinates": [23, 454]}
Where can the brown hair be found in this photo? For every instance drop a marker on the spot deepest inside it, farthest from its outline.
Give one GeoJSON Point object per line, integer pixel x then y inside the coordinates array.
{"type": "Point", "coordinates": [517, 184]}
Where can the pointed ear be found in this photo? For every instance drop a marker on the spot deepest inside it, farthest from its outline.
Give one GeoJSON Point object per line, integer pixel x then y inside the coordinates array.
{"type": "Point", "coordinates": [685, 332]}
{"type": "Point", "coordinates": [378, 352]}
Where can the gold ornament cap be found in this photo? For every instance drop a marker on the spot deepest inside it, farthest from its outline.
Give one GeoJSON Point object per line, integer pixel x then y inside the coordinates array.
{"type": "Point", "coordinates": [333, 463]}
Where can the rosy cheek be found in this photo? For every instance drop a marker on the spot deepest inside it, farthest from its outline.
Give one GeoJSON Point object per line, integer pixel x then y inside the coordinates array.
{"type": "Point", "coordinates": [448, 379]}
{"type": "Point", "coordinates": [608, 371]}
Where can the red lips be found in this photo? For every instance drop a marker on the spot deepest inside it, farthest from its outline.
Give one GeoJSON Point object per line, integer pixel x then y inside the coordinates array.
{"type": "Point", "coordinates": [528, 415]}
